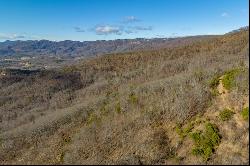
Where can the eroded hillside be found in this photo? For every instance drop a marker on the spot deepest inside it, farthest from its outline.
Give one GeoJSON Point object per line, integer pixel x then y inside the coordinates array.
{"type": "Point", "coordinates": [182, 105]}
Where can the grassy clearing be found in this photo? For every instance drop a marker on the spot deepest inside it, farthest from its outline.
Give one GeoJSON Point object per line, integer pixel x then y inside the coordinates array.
{"type": "Point", "coordinates": [228, 80]}
{"type": "Point", "coordinates": [226, 114]}
{"type": "Point", "coordinates": [183, 132]}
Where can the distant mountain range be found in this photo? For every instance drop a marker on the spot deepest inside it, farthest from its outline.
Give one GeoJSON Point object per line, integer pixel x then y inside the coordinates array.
{"type": "Point", "coordinates": [70, 48]}
{"type": "Point", "coordinates": [238, 30]}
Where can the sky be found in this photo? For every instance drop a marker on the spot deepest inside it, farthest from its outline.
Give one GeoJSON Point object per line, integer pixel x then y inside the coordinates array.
{"type": "Point", "coordinates": [89, 20]}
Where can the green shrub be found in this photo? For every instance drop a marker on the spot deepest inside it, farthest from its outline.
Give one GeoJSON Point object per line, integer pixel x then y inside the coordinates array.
{"type": "Point", "coordinates": [228, 80]}
{"type": "Point", "coordinates": [226, 114]}
{"type": "Point", "coordinates": [215, 92]}
{"type": "Point", "coordinates": [212, 133]}
{"type": "Point", "coordinates": [185, 131]}
{"type": "Point", "coordinates": [197, 151]}
{"type": "Point", "coordinates": [206, 141]}
{"type": "Point", "coordinates": [245, 113]}
{"type": "Point", "coordinates": [189, 128]}
{"type": "Point", "coordinates": [214, 82]}
{"type": "Point", "coordinates": [213, 85]}
{"type": "Point", "coordinates": [179, 131]}
{"type": "Point", "coordinates": [196, 136]}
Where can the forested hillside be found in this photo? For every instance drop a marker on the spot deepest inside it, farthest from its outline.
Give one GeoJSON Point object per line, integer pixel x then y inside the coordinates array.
{"type": "Point", "coordinates": [180, 105]}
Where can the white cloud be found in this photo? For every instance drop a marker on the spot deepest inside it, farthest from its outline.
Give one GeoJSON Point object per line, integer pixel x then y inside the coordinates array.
{"type": "Point", "coordinates": [108, 29]}
{"type": "Point", "coordinates": [225, 14]}
{"type": "Point", "coordinates": [11, 36]}
{"type": "Point", "coordinates": [14, 36]}
{"type": "Point", "coordinates": [136, 29]}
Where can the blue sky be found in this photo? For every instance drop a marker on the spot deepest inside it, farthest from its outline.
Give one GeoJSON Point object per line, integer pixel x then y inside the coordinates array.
{"type": "Point", "coordinates": [86, 20]}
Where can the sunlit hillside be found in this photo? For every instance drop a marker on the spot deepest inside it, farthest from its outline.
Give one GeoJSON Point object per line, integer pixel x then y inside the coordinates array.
{"type": "Point", "coordinates": [186, 104]}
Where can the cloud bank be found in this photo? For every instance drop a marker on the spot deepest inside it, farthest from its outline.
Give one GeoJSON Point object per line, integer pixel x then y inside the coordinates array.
{"type": "Point", "coordinates": [112, 29]}
{"type": "Point", "coordinates": [11, 36]}
{"type": "Point", "coordinates": [108, 29]}
{"type": "Point", "coordinates": [119, 30]}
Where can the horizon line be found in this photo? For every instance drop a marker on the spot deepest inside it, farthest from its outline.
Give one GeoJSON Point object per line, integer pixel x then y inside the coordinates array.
{"type": "Point", "coordinates": [169, 37]}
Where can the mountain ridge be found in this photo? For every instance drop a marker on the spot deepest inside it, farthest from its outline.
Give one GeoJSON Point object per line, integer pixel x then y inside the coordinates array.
{"type": "Point", "coordinates": [87, 48]}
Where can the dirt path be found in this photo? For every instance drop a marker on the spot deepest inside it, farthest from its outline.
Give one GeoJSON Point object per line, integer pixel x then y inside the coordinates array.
{"type": "Point", "coordinates": [231, 129]}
